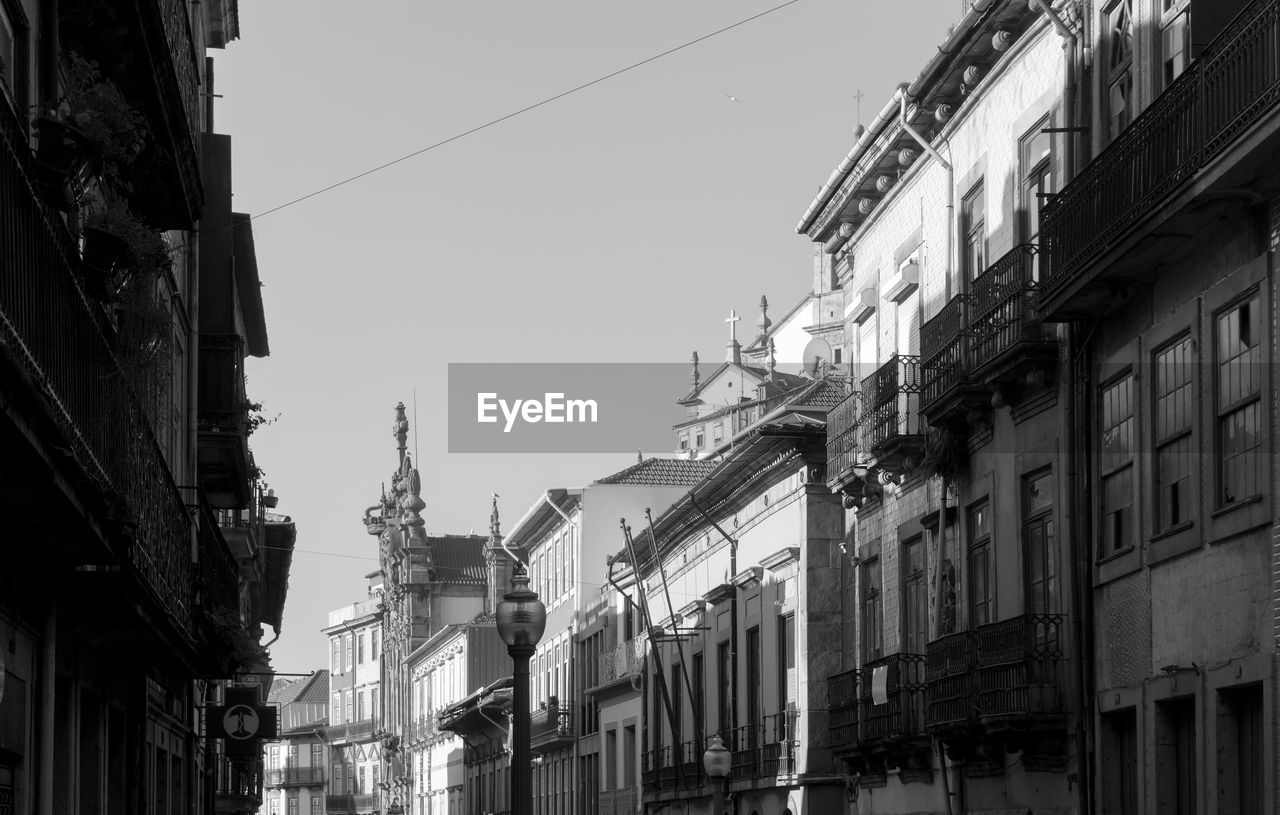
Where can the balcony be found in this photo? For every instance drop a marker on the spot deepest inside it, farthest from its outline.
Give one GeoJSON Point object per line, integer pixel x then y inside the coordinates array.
{"type": "Point", "coordinates": [844, 444]}
{"type": "Point", "coordinates": [1019, 669]}
{"type": "Point", "coordinates": [69, 386]}
{"type": "Point", "coordinates": [618, 802]}
{"type": "Point", "coordinates": [1213, 131]}
{"type": "Point", "coordinates": [690, 756]}
{"type": "Point", "coordinates": [222, 420]}
{"type": "Point", "coordinates": [351, 731]}
{"type": "Point", "coordinates": [949, 688]}
{"type": "Point", "coordinates": [842, 704]}
{"type": "Point", "coordinates": [620, 664]}
{"type": "Point", "coordinates": [946, 387]}
{"type": "Point", "coordinates": [146, 48]}
{"type": "Point", "coordinates": [350, 804]}
{"type": "Point", "coordinates": [893, 431]}
{"type": "Point", "coordinates": [238, 786]}
{"type": "Point", "coordinates": [746, 747]}
{"type": "Point", "coordinates": [650, 770]}
{"type": "Point", "coordinates": [1010, 350]}
{"type": "Point", "coordinates": [551, 727]}
{"type": "Point", "coordinates": [781, 742]}
{"type": "Point", "coordinates": [901, 716]}
{"type": "Point", "coordinates": [295, 777]}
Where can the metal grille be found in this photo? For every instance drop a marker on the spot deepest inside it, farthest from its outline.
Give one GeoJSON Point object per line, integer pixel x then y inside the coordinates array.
{"type": "Point", "coordinates": [892, 395]}
{"type": "Point", "coordinates": [1220, 96]}
{"type": "Point", "coordinates": [944, 340]}
{"type": "Point", "coordinates": [1019, 662]}
{"type": "Point", "coordinates": [1002, 297]}
{"type": "Point", "coordinates": [842, 702]}
{"type": "Point", "coordinates": [902, 714]}
{"type": "Point", "coordinates": [843, 434]}
{"type": "Point", "coordinates": [949, 673]}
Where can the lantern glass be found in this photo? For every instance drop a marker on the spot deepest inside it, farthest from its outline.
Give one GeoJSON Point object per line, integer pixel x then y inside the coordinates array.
{"type": "Point", "coordinates": [521, 616]}
{"type": "Point", "coordinates": [716, 759]}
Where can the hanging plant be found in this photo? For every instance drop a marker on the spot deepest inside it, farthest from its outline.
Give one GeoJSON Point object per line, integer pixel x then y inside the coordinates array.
{"type": "Point", "coordinates": [945, 454]}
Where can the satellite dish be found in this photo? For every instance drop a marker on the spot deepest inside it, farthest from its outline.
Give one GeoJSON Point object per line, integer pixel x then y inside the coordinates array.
{"type": "Point", "coordinates": [817, 349]}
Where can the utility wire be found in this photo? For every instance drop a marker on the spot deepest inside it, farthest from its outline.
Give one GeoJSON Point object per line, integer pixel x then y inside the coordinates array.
{"type": "Point", "coordinates": [525, 109]}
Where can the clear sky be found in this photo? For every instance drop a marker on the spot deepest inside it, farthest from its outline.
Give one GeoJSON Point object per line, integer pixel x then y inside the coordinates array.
{"type": "Point", "coordinates": [620, 223]}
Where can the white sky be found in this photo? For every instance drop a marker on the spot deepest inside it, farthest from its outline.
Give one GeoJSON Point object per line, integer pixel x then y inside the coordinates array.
{"type": "Point", "coordinates": [620, 223]}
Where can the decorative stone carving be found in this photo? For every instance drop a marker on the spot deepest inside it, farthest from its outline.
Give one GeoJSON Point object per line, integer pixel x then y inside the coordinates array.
{"type": "Point", "coordinates": [885, 183]}
{"type": "Point", "coordinates": [865, 205]}
{"type": "Point", "coordinates": [1001, 40]}
{"type": "Point", "coordinates": [972, 75]}
{"type": "Point", "coordinates": [906, 155]}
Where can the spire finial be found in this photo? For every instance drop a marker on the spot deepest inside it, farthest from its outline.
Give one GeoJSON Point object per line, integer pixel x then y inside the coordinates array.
{"type": "Point", "coordinates": [639, 456]}
{"type": "Point", "coordinates": [400, 429]}
{"type": "Point", "coordinates": [495, 528]}
{"type": "Point", "coordinates": [694, 377]}
{"type": "Point", "coordinates": [764, 323]}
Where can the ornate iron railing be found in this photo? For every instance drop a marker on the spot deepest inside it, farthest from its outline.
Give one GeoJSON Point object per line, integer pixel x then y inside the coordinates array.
{"type": "Point", "coordinates": [842, 706]}
{"type": "Point", "coordinates": [745, 761]}
{"type": "Point", "coordinates": [618, 802]}
{"type": "Point", "coordinates": [901, 714]}
{"type": "Point", "coordinates": [626, 659]}
{"type": "Point", "coordinates": [1019, 664]}
{"type": "Point", "coordinates": [944, 340]}
{"type": "Point", "coordinates": [55, 337]}
{"type": "Point", "coordinates": [1001, 305]}
{"type": "Point", "coordinates": [351, 731]}
{"type": "Point", "coordinates": [177, 32]}
{"type": "Point", "coordinates": [365, 802]}
{"type": "Point", "coordinates": [892, 396]}
{"type": "Point", "coordinates": [843, 434]}
{"type": "Point", "coordinates": [781, 741]}
{"type": "Point", "coordinates": [553, 721]}
{"type": "Point", "coordinates": [218, 585]}
{"type": "Point", "coordinates": [1229, 89]}
{"type": "Point", "coordinates": [949, 663]}
{"type": "Point", "coordinates": [652, 760]}
{"type": "Point", "coordinates": [690, 756]}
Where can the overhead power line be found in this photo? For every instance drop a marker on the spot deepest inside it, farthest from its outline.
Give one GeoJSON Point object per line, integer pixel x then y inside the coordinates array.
{"type": "Point", "coordinates": [525, 109]}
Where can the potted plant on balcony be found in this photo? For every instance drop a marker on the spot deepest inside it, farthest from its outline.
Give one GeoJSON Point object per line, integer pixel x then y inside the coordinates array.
{"type": "Point", "coordinates": [91, 131]}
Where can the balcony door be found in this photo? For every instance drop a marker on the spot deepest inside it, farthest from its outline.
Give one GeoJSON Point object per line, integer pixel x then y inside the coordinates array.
{"type": "Point", "coordinates": [1040, 544]}
{"type": "Point", "coordinates": [915, 604]}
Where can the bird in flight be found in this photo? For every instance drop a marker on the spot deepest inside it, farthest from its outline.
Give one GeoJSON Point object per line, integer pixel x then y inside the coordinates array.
{"type": "Point", "coordinates": [732, 98]}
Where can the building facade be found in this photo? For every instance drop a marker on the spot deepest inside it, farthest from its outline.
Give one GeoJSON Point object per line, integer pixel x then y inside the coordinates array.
{"type": "Point", "coordinates": [355, 704]}
{"type": "Point", "coordinates": [297, 762]}
{"type": "Point", "coordinates": [122, 347]}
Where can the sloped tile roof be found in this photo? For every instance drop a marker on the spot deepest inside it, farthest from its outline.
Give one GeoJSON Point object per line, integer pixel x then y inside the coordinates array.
{"type": "Point", "coordinates": [672, 472]}
{"type": "Point", "coordinates": [459, 559]}
{"type": "Point", "coordinates": [312, 689]}
{"type": "Point", "coordinates": [825, 393]}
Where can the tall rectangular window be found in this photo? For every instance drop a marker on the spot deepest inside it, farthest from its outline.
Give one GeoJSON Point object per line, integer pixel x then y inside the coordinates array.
{"type": "Point", "coordinates": [915, 608]}
{"type": "Point", "coordinates": [350, 648]}
{"type": "Point", "coordinates": [788, 679]}
{"type": "Point", "coordinates": [755, 679]}
{"type": "Point", "coordinates": [659, 713]}
{"type": "Point", "coordinates": [980, 566]}
{"type": "Point", "coordinates": [336, 709]}
{"type": "Point", "coordinates": [1176, 767]}
{"type": "Point", "coordinates": [677, 705]}
{"type": "Point", "coordinates": [335, 664]}
{"type": "Point", "coordinates": [315, 804]}
{"type": "Point", "coordinates": [699, 690]}
{"type": "Point", "coordinates": [1239, 402]}
{"type": "Point", "coordinates": [293, 803]}
{"type": "Point", "coordinates": [1035, 156]}
{"type": "Point", "coordinates": [1241, 744]}
{"type": "Point", "coordinates": [1115, 466]}
{"type": "Point", "coordinates": [348, 704]}
{"type": "Point", "coordinates": [973, 232]}
{"type": "Point", "coordinates": [611, 759]}
{"type": "Point", "coordinates": [1175, 39]}
{"type": "Point", "coordinates": [373, 646]}
{"type": "Point", "coordinates": [361, 705]}
{"type": "Point", "coordinates": [1120, 778]}
{"type": "Point", "coordinates": [872, 619]}
{"type": "Point", "coordinates": [317, 755]}
{"type": "Point", "coordinates": [360, 648]}
{"type": "Point", "coordinates": [725, 663]}
{"type": "Point", "coordinates": [1174, 413]}
{"type": "Point", "coordinates": [629, 756]}
{"type": "Point", "coordinates": [1119, 66]}
{"type": "Point", "coordinates": [1040, 544]}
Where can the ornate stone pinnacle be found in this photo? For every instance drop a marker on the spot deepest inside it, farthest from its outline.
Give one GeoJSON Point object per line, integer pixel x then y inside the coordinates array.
{"type": "Point", "coordinates": [694, 377]}
{"type": "Point", "coordinates": [764, 323]}
{"type": "Point", "coordinates": [495, 528]}
{"type": "Point", "coordinates": [400, 429]}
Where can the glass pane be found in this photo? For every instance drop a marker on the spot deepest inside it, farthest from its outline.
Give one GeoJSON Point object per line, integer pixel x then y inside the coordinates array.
{"type": "Point", "coordinates": [1040, 492]}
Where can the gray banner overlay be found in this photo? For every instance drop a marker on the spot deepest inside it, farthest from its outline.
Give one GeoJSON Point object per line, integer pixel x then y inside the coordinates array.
{"type": "Point", "coordinates": [546, 407]}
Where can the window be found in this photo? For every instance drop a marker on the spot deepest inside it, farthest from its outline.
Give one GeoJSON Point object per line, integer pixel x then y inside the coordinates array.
{"type": "Point", "coordinates": [1035, 154]}
{"type": "Point", "coordinates": [726, 689]}
{"type": "Point", "coordinates": [1040, 543]}
{"type": "Point", "coordinates": [347, 662]}
{"type": "Point", "coordinates": [973, 231]}
{"type": "Point", "coordinates": [360, 785]}
{"type": "Point", "coordinates": [293, 803]}
{"type": "Point", "coordinates": [361, 705]}
{"type": "Point", "coordinates": [337, 708]}
{"type": "Point", "coordinates": [658, 712]}
{"type": "Point", "coordinates": [872, 621]}
{"type": "Point", "coordinates": [787, 676]}
{"type": "Point", "coordinates": [698, 440]}
{"type": "Point", "coordinates": [315, 804]}
{"type": "Point", "coordinates": [1174, 412]}
{"type": "Point", "coordinates": [13, 55]}
{"type": "Point", "coordinates": [337, 777]}
{"type": "Point", "coordinates": [755, 679]}
{"type": "Point", "coordinates": [374, 711]}
{"type": "Point", "coordinates": [347, 704]}
{"type": "Point", "coordinates": [684, 440]}
{"type": "Point", "coordinates": [1120, 762]}
{"type": "Point", "coordinates": [360, 647]}
{"type": "Point", "coordinates": [336, 662]}
{"type": "Point", "coordinates": [915, 609]}
{"type": "Point", "coordinates": [293, 756]}
{"type": "Point", "coordinates": [1241, 742]}
{"type": "Point", "coordinates": [1239, 395]}
{"type": "Point", "coordinates": [699, 690]}
{"type": "Point", "coordinates": [373, 645]}
{"type": "Point", "coordinates": [1119, 66]}
{"type": "Point", "coordinates": [717, 432]}
{"type": "Point", "coordinates": [629, 756]}
{"type": "Point", "coordinates": [317, 755]}
{"type": "Point", "coordinates": [1115, 466]}
{"type": "Point", "coordinates": [275, 805]}
{"type": "Point", "coordinates": [677, 706]}
{"type": "Point", "coordinates": [1176, 767]}
{"type": "Point", "coordinates": [980, 565]}
{"type": "Point", "coordinates": [1175, 39]}
{"type": "Point", "coordinates": [376, 769]}
{"type": "Point", "coordinates": [611, 759]}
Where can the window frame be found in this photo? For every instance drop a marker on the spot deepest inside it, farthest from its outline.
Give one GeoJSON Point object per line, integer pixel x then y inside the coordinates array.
{"type": "Point", "coordinates": [871, 603]}
{"type": "Point", "coordinates": [1031, 179]}
{"type": "Point", "coordinates": [1163, 544]}
{"type": "Point", "coordinates": [972, 266]}
{"type": "Point", "coordinates": [1104, 472]}
{"type": "Point", "coordinates": [917, 580]}
{"type": "Point", "coordinates": [1029, 518]}
{"type": "Point", "coordinates": [1166, 19]}
{"type": "Point", "coordinates": [974, 542]}
{"type": "Point", "coordinates": [1114, 70]}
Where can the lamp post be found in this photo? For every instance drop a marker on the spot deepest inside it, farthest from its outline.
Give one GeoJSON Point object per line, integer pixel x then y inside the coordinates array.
{"type": "Point", "coordinates": [521, 619]}
{"type": "Point", "coordinates": [716, 761]}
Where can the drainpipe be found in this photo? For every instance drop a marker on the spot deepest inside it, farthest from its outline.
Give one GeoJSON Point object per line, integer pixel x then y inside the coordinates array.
{"type": "Point", "coordinates": [901, 97]}
{"type": "Point", "coordinates": [48, 697]}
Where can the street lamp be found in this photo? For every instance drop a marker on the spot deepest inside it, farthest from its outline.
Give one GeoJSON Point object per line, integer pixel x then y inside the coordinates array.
{"type": "Point", "coordinates": [716, 761]}
{"type": "Point", "coordinates": [521, 618]}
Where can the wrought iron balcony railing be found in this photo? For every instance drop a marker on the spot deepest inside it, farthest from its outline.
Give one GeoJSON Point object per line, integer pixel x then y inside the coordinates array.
{"type": "Point", "coordinates": [51, 333]}
{"type": "Point", "coordinates": [551, 725]}
{"type": "Point", "coordinates": [652, 760]}
{"type": "Point", "coordinates": [1019, 664]}
{"type": "Point", "coordinates": [618, 802]}
{"type": "Point", "coordinates": [901, 714]}
{"type": "Point", "coordinates": [949, 689]}
{"type": "Point", "coordinates": [690, 756]}
{"type": "Point", "coordinates": [844, 442]}
{"type": "Point", "coordinates": [781, 741]}
{"type": "Point", "coordinates": [218, 576]}
{"type": "Point", "coordinates": [745, 760]}
{"type": "Point", "coordinates": [1233, 86]}
{"type": "Point", "coordinates": [842, 706]}
{"type": "Point", "coordinates": [624, 660]}
{"type": "Point", "coordinates": [1001, 307]}
{"type": "Point", "coordinates": [351, 731]}
{"type": "Point", "coordinates": [295, 776]}
{"type": "Point", "coordinates": [944, 351]}
{"type": "Point", "coordinates": [892, 397]}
